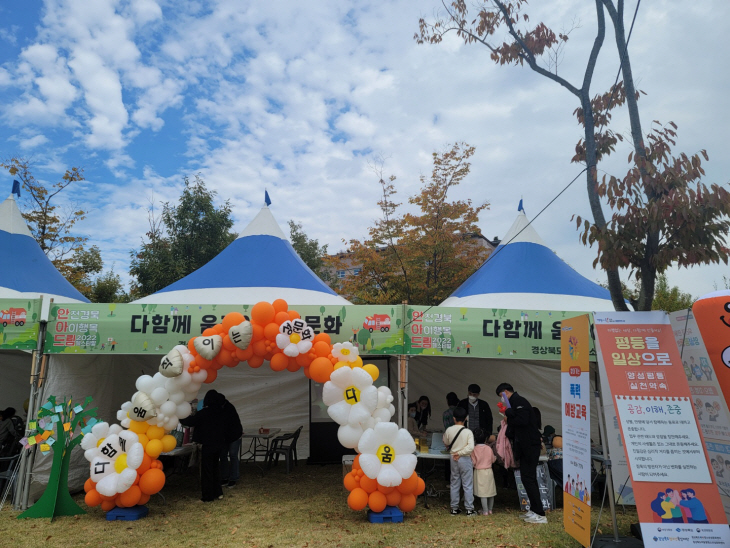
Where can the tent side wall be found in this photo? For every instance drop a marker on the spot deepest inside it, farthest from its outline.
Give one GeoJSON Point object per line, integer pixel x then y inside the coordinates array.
{"type": "Point", "coordinates": [15, 369]}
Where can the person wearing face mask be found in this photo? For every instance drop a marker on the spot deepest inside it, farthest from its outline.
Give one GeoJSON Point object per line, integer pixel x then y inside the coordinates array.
{"type": "Point", "coordinates": [479, 412]}
{"type": "Point", "coordinates": [412, 424]}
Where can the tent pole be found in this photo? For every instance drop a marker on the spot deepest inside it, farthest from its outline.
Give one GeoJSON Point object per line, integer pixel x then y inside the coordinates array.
{"type": "Point", "coordinates": [607, 465]}
{"type": "Point", "coordinates": [22, 492]}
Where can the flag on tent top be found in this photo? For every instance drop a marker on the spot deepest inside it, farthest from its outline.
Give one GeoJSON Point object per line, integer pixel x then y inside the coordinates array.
{"type": "Point", "coordinates": [16, 188]}
{"type": "Point", "coordinates": [519, 207]}
{"type": "Point", "coordinates": [266, 198]}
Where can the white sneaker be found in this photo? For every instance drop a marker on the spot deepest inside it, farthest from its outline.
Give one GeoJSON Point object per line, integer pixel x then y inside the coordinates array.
{"type": "Point", "coordinates": [528, 514]}
{"type": "Point", "coordinates": [536, 519]}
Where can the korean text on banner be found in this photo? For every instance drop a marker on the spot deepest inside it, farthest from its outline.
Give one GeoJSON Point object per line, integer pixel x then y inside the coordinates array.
{"type": "Point", "coordinates": [576, 398]}
{"type": "Point", "coordinates": [677, 501]}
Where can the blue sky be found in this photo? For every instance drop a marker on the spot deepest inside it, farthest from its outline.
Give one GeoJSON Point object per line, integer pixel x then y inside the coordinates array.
{"type": "Point", "coordinates": [303, 98]}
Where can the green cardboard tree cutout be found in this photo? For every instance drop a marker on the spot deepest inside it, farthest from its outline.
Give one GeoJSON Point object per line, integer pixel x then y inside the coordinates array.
{"type": "Point", "coordinates": [56, 499]}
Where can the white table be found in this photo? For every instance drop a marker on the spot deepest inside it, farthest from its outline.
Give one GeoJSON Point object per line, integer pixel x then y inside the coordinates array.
{"type": "Point", "coordinates": [258, 446]}
{"type": "Point", "coordinates": [432, 456]}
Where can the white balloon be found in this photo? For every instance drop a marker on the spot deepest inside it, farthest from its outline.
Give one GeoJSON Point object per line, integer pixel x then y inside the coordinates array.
{"type": "Point", "coordinates": [129, 438]}
{"type": "Point", "coordinates": [126, 479]}
{"type": "Point", "coordinates": [199, 378]}
{"type": "Point", "coordinates": [178, 383]}
{"type": "Point", "coordinates": [89, 454]}
{"type": "Point", "coordinates": [100, 430]}
{"type": "Point", "coordinates": [115, 429]}
{"type": "Point", "coordinates": [208, 347]}
{"type": "Point", "coordinates": [126, 422]}
{"type": "Point", "coordinates": [172, 423]}
{"type": "Point", "coordinates": [187, 358]}
{"type": "Point", "coordinates": [172, 364]}
{"type": "Point", "coordinates": [121, 415]}
{"type": "Point", "coordinates": [145, 384]}
{"type": "Point", "coordinates": [168, 408]}
{"type": "Point", "coordinates": [107, 485]}
{"type": "Point", "coordinates": [159, 380]}
{"type": "Point", "coordinates": [183, 410]}
{"type": "Point", "coordinates": [126, 406]}
{"type": "Point", "coordinates": [101, 467]}
{"type": "Point", "coordinates": [349, 435]}
{"type": "Point", "coordinates": [88, 442]}
{"type": "Point", "coordinates": [143, 408]}
{"type": "Point", "coordinates": [177, 397]}
{"type": "Point", "coordinates": [184, 350]}
{"type": "Point", "coordinates": [159, 396]}
{"type": "Point", "coordinates": [135, 455]}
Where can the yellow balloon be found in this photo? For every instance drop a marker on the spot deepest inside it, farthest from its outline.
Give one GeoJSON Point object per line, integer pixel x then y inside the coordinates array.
{"type": "Point", "coordinates": [168, 443]}
{"type": "Point", "coordinates": [357, 362]}
{"type": "Point", "coordinates": [341, 364]}
{"type": "Point", "coordinates": [154, 448]}
{"type": "Point", "coordinates": [143, 439]}
{"type": "Point", "coordinates": [138, 427]}
{"type": "Point", "coordinates": [98, 443]}
{"type": "Point", "coordinates": [155, 432]}
{"type": "Point", "coordinates": [121, 463]}
{"type": "Point", "coordinates": [372, 370]}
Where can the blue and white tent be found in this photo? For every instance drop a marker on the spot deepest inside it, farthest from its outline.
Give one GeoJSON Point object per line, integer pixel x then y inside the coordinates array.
{"type": "Point", "coordinates": [524, 273]}
{"type": "Point", "coordinates": [25, 271]}
{"type": "Point", "coordinates": [260, 265]}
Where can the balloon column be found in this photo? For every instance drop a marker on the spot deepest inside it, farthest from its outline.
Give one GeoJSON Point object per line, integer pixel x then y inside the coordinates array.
{"type": "Point", "coordinates": [124, 466]}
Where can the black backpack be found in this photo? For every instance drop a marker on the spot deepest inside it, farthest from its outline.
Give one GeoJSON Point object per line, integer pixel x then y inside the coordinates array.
{"type": "Point", "coordinates": [19, 427]}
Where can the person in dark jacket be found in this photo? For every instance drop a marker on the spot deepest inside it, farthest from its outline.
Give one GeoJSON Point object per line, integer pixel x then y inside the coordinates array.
{"type": "Point", "coordinates": [423, 412]}
{"type": "Point", "coordinates": [210, 432]}
{"type": "Point", "coordinates": [229, 466]}
{"type": "Point", "coordinates": [523, 430]}
{"type": "Point", "coordinates": [480, 414]}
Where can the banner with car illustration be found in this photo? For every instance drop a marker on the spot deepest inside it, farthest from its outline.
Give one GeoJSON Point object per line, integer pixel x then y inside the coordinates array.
{"type": "Point", "coordinates": [19, 323]}
{"type": "Point", "coordinates": [376, 329]}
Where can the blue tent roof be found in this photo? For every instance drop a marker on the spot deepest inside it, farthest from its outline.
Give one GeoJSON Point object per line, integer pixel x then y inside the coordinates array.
{"type": "Point", "coordinates": [259, 265]}
{"type": "Point", "coordinates": [24, 268]}
{"type": "Point", "coordinates": [524, 273]}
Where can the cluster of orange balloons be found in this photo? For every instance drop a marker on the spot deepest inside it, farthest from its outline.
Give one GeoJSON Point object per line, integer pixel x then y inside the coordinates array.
{"type": "Point", "coordinates": [266, 319]}
{"type": "Point", "coordinates": [365, 491]}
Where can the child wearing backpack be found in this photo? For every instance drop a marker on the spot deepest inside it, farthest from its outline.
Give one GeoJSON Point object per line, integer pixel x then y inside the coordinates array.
{"type": "Point", "coordinates": [483, 457]}
{"type": "Point", "coordinates": [459, 440]}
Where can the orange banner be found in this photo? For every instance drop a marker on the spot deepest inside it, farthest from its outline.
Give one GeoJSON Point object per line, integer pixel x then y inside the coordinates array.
{"type": "Point", "coordinates": [712, 313]}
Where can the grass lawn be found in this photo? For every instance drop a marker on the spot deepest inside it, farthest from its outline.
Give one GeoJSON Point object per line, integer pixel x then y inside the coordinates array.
{"type": "Point", "coordinates": [307, 508]}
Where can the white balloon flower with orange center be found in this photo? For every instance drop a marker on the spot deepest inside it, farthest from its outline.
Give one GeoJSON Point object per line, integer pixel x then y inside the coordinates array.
{"type": "Point", "coordinates": [345, 352]}
{"type": "Point", "coordinates": [295, 337]}
{"type": "Point", "coordinates": [386, 454]}
{"type": "Point", "coordinates": [351, 399]}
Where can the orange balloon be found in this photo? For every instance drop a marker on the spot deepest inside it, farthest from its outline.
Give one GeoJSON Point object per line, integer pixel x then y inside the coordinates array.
{"type": "Point", "coordinates": [294, 315]}
{"type": "Point", "coordinates": [393, 498]}
{"type": "Point", "coordinates": [216, 364]}
{"type": "Point", "coordinates": [262, 313]}
{"type": "Point", "coordinates": [280, 305]}
{"type": "Point", "coordinates": [271, 331]}
{"type": "Point", "coordinates": [306, 372]}
{"type": "Point", "coordinates": [203, 363]}
{"type": "Point", "coordinates": [320, 370]}
{"type": "Point", "coordinates": [350, 481]}
{"type": "Point", "coordinates": [322, 349]}
{"type": "Point", "coordinates": [146, 463]}
{"type": "Point", "coordinates": [219, 329]}
{"type": "Point", "coordinates": [224, 357]}
{"type": "Point", "coordinates": [356, 463]}
{"type": "Point", "coordinates": [279, 361]}
{"type": "Point", "coordinates": [408, 485]}
{"type": "Point", "coordinates": [152, 481]}
{"type": "Point", "coordinates": [138, 427]}
{"type": "Point", "coordinates": [377, 501]}
{"type": "Point", "coordinates": [89, 485]}
{"type": "Point", "coordinates": [421, 487]}
{"type": "Point", "coordinates": [144, 499]}
{"type": "Point", "coordinates": [293, 365]}
{"type": "Point", "coordinates": [232, 319]}
{"type": "Point", "coordinates": [244, 355]}
{"type": "Point", "coordinates": [407, 503]}
{"type": "Point", "coordinates": [324, 337]}
{"type": "Point", "coordinates": [209, 331]}
{"type": "Point", "coordinates": [143, 439]}
{"type": "Point", "coordinates": [108, 505]}
{"type": "Point", "coordinates": [228, 344]}
{"type": "Point", "coordinates": [212, 374]}
{"type": "Point", "coordinates": [385, 490]}
{"type": "Point", "coordinates": [259, 348]}
{"type": "Point", "coordinates": [257, 332]}
{"type": "Point", "coordinates": [304, 360]}
{"type": "Point", "coordinates": [255, 361]}
{"type": "Point", "coordinates": [358, 499]}
{"type": "Point", "coordinates": [369, 484]}
{"type": "Point", "coordinates": [281, 317]}
{"type": "Point", "coordinates": [92, 498]}
{"type": "Point", "coordinates": [130, 497]}
{"type": "Point", "coordinates": [191, 345]}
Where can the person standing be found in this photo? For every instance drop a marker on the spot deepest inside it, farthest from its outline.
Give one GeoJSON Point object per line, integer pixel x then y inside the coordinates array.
{"type": "Point", "coordinates": [452, 400]}
{"type": "Point", "coordinates": [522, 428]}
{"type": "Point", "coordinates": [478, 411]}
{"type": "Point", "coordinates": [423, 412]}
{"type": "Point", "coordinates": [484, 486]}
{"type": "Point", "coordinates": [12, 430]}
{"type": "Point", "coordinates": [460, 442]}
{"type": "Point", "coordinates": [230, 454]}
{"type": "Point", "coordinates": [210, 433]}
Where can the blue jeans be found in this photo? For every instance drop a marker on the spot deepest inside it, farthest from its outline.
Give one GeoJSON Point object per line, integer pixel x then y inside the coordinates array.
{"type": "Point", "coordinates": [229, 461]}
{"type": "Point", "coordinates": [462, 475]}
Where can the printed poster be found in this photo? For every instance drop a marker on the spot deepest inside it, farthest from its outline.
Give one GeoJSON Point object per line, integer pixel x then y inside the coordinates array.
{"type": "Point", "coordinates": [707, 397]}
{"type": "Point", "coordinates": [677, 501]}
{"type": "Point", "coordinates": [576, 400]}
{"type": "Point", "coordinates": [19, 323]}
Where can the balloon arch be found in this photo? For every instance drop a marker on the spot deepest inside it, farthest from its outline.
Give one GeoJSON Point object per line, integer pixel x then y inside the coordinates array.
{"type": "Point", "coordinates": [125, 470]}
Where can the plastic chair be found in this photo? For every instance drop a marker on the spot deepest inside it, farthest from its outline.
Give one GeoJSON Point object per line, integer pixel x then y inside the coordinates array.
{"type": "Point", "coordinates": [8, 473]}
{"type": "Point", "coordinates": [285, 445]}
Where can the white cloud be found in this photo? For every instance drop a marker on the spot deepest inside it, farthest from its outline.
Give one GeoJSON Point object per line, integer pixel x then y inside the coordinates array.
{"type": "Point", "coordinates": [33, 142]}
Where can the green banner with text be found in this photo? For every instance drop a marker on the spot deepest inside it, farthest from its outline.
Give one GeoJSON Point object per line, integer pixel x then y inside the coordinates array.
{"type": "Point", "coordinates": [19, 323]}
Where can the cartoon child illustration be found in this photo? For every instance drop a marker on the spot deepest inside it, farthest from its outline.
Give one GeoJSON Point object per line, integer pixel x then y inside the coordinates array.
{"type": "Point", "coordinates": [711, 412]}
{"type": "Point", "coordinates": [698, 408]}
{"type": "Point", "coordinates": [687, 371]}
{"type": "Point", "coordinates": [706, 369]}
{"type": "Point", "coordinates": [718, 466]}
{"type": "Point", "coordinates": [695, 506]}
{"type": "Point", "coordinates": [676, 510]}
{"type": "Point", "coordinates": [695, 368]}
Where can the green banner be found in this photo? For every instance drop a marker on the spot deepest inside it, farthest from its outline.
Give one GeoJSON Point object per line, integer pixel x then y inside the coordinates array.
{"type": "Point", "coordinates": [19, 323]}
{"type": "Point", "coordinates": [155, 329]}
{"type": "Point", "coordinates": [484, 332]}
{"type": "Point", "coordinates": [376, 329]}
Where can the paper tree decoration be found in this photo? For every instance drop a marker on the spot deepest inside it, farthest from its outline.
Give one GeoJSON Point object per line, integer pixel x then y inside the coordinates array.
{"type": "Point", "coordinates": [63, 418]}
